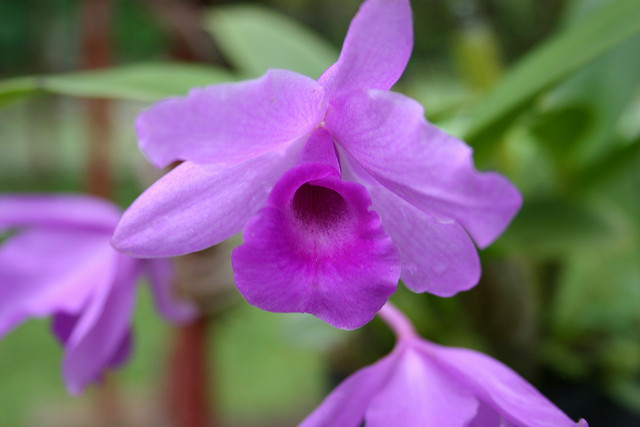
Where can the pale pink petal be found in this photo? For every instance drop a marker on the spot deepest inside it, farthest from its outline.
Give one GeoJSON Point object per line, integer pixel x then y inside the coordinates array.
{"type": "Point", "coordinates": [498, 386]}
{"type": "Point", "coordinates": [316, 248]}
{"type": "Point", "coordinates": [61, 210]}
{"type": "Point", "coordinates": [97, 337]}
{"type": "Point", "coordinates": [230, 123]}
{"type": "Point", "coordinates": [45, 271]}
{"type": "Point", "coordinates": [347, 403]}
{"type": "Point", "coordinates": [196, 206]}
{"type": "Point", "coordinates": [435, 256]}
{"type": "Point", "coordinates": [386, 135]}
{"type": "Point", "coordinates": [376, 49]}
{"type": "Point", "coordinates": [417, 394]}
{"type": "Point", "coordinates": [170, 305]}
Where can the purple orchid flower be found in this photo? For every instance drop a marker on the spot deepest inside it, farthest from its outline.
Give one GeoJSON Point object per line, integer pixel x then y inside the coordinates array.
{"type": "Point", "coordinates": [59, 262]}
{"type": "Point", "coordinates": [424, 384]}
{"type": "Point", "coordinates": [341, 186]}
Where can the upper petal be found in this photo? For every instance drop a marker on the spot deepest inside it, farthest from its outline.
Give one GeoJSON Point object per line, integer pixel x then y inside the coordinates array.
{"type": "Point", "coordinates": [376, 49]}
{"type": "Point", "coordinates": [229, 123]}
{"type": "Point", "coordinates": [43, 272]}
{"type": "Point", "coordinates": [498, 386]}
{"type": "Point", "coordinates": [418, 393]}
{"type": "Point", "coordinates": [387, 135]}
{"type": "Point", "coordinates": [316, 248]}
{"type": "Point", "coordinates": [346, 405]}
{"type": "Point", "coordinates": [57, 210]}
{"type": "Point", "coordinates": [196, 206]}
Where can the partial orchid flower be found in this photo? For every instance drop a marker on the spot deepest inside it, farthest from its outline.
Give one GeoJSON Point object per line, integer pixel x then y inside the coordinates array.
{"type": "Point", "coordinates": [425, 384]}
{"type": "Point", "coordinates": [57, 261]}
{"type": "Point", "coordinates": [341, 186]}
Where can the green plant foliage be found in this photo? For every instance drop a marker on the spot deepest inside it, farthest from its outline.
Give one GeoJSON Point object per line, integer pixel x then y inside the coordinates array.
{"type": "Point", "coordinates": [140, 82]}
{"type": "Point", "coordinates": [255, 39]}
{"type": "Point", "coordinates": [601, 91]}
{"type": "Point", "coordinates": [555, 227]}
{"type": "Point", "coordinates": [561, 55]}
{"type": "Point", "coordinates": [628, 156]}
{"type": "Point", "coordinates": [600, 297]}
{"type": "Point", "coordinates": [261, 371]}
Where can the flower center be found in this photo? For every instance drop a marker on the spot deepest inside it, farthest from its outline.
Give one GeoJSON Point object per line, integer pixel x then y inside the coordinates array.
{"type": "Point", "coordinates": [319, 207]}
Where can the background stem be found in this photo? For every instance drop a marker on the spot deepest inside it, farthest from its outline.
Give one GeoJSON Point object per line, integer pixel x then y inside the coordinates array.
{"type": "Point", "coordinates": [187, 391]}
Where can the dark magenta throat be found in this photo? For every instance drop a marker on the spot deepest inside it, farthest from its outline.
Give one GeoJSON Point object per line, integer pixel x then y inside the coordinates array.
{"type": "Point", "coordinates": [319, 207]}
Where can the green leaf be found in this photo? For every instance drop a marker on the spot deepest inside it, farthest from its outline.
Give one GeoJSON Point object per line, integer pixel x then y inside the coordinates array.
{"type": "Point", "coordinates": [17, 88]}
{"type": "Point", "coordinates": [626, 391]}
{"type": "Point", "coordinates": [599, 292]}
{"type": "Point", "coordinates": [255, 38]}
{"type": "Point", "coordinates": [616, 161]}
{"type": "Point", "coordinates": [606, 99]}
{"type": "Point", "coordinates": [140, 82]}
{"type": "Point", "coordinates": [561, 55]}
{"type": "Point", "coordinates": [555, 227]}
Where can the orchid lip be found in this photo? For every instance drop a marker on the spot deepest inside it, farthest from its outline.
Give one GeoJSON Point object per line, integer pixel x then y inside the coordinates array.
{"type": "Point", "coordinates": [316, 205]}
{"type": "Point", "coordinates": [320, 231]}
{"type": "Point", "coordinates": [320, 211]}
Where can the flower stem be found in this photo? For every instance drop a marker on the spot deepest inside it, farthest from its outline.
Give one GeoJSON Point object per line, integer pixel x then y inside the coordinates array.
{"type": "Point", "coordinates": [397, 321]}
{"type": "Point", "coordinates": [95, 19]}
{"type": "Point", "coordinates": [96, 27]}
{"type": "Point", "coordinates": [187, 391]}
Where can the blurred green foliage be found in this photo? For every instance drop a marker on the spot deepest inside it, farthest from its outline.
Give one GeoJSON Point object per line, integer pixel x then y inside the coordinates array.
{"type": "Point", "coordinates": [139, 82]}
{"type": "Point", "coordinates": [561, 289]}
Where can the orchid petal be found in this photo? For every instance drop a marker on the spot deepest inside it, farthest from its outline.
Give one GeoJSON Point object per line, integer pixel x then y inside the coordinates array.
{"type": "Point", "coordinates": [194, 207]}
{"type": "Point", "coordinates": [123, 351]}
{"type": "Point", "coordinates": [498, 386]}
{"type": "Point", "coordinates": [63, 325]}
{"type": "Point", "coordinates": [316, 248]}
{"type": "Point", "coordinates": [487, 416]}
{"type": "Point", "coordinates": [231, 123]}
{"type": "Point", "coordinates": [346, 405]}
{"type": "Point", "coordinates": [435, 256]}
{"type": "Point", "coordinates": [161, 275]}
{"type": "Point", "coordinates": [387, 136]}
{"type": "Point", "coordinates": [20, 210]}
{"type": "Point", "coordinates": [376, 49]}
{"type": "Point", "coordinates": [46, 271]}
{"type": "Point", "coordinates": [97, 337]}
{"type": "Point", "coordinates": [319, 148]}
{"type": "Point", "coordinates": [419, 394]}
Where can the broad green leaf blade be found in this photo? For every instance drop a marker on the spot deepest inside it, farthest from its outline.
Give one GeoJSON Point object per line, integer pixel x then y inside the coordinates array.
{"type": "Point", "coordinates": [604, 100]}
{"type": "Point", "coordinates": [17, 88]}
{"type": "Point", "coordinates": [563, 54]}
{"type": "Point", "coordinates": [255, 38]}
{"type": "Point", "coordinates": [140, 82]}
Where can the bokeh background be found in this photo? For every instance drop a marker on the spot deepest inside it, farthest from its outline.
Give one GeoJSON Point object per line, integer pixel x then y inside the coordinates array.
{"type": "Point", "coordinates": [546, 91]}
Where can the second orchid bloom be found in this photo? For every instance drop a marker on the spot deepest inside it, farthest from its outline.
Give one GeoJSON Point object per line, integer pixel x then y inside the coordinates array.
{"type": "Point", "coordinates": [341, 186]}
